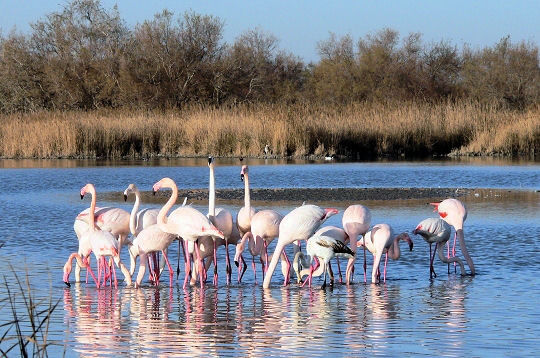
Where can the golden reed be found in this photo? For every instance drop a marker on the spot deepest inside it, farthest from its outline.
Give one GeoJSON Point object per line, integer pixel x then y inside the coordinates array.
{"type": "Point", "coordinates": [376, 130]}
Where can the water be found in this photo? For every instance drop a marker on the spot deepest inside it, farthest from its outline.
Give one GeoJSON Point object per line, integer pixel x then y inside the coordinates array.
{"type": "Point", "coordinates": [489, 314]}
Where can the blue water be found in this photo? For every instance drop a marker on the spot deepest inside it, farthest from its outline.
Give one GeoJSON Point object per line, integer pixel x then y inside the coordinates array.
{"type": "Point", "coordinates": [492, 313]}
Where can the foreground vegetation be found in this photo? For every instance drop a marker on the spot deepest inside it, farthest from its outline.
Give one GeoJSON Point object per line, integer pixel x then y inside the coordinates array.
{"type": "Point", "coordinates": [25, 322]}
{"type": "Point", "coordinates": [83, 84]}
{"type": "Point", "coordinates": [410, 130]}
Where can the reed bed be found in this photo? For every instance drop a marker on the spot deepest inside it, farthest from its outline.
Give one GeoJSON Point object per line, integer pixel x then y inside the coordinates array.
{"type": "Point", "coordinates": [359, 131]}
{"type": "Point", "coordinates": [25, 323]}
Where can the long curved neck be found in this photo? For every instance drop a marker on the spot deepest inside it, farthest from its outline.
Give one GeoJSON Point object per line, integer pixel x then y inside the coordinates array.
{"type": "Point", "coordinates": [133, 216]}
{"type": "Point", "coordinates": [247, 199]}
{"type": "Point", "coordinates": [447, 260]}
{"type": "Point", "coordinates": [212, 193]}
{"type": "Point", "coordinates": [161, 218]}
{"type": "Point", "coordinates": [461, 237]}
{"type": "Point", "coordinates": [92, 216]}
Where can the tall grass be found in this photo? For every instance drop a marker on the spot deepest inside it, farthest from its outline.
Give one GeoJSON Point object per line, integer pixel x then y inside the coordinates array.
{"type": "Point", "coordinates": [361, 131]}
{"type": "Point", "coordinates": [25, 328]}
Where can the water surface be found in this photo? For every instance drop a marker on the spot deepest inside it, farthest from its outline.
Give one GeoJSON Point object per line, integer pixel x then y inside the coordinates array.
{"type": "Point", "coordinates": [451, 315]}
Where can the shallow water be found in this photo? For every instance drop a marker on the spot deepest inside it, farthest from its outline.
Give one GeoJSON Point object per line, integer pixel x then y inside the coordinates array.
{"type": "Point", "coordinates": [450, 315]}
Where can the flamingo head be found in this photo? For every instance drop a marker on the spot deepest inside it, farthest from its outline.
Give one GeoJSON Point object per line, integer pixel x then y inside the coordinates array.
{"type": "Point", "coordinates": [88, 188]}
{"type": "Point", "coordinates": [328, 212]}
{"type": "Point", "coordinates": [210, 161]}
{"type": "Point", "coordinates": [243, 172]}
{"type": "Point", "coordinates": [405, 237]}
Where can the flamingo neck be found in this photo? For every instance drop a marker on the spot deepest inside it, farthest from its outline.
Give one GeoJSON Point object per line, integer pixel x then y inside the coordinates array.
{"type": "Point", "coordinates": [90, 189]}
{"type": "Point", "coordinates": [247, 199]}
{"type": "Point", "coordinates": [212, 194]}
{"type": "Point", "coordinates": [161, 218]}
{"type": "Point", "coordinates": [133, 216]}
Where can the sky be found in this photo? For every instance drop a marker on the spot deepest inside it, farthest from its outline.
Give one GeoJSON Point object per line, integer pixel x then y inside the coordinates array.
{"type": "Point", "coordinates": [300, 24]}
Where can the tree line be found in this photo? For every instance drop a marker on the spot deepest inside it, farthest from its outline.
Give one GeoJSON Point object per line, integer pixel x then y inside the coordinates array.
{"type": "Point", "coordinates": [85, 57]}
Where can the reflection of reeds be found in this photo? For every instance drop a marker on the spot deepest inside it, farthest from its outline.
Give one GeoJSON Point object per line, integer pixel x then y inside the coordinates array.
{"type": "Point", "coordinates": [27, 330]}
{"type": "Point", "coordinates": [359, 131]}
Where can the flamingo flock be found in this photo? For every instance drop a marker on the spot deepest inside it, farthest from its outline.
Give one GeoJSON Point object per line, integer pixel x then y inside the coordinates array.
{"type": "Point", "coordinates": [148, 234]}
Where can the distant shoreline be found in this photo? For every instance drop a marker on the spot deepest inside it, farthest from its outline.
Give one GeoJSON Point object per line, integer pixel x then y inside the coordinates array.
{"type": "Point", "coordinates": [331, 195]}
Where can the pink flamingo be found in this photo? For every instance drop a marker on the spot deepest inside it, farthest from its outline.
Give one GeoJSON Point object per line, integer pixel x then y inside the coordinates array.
{"type": "Point", "coordinates": [332, 231]}
{"type": "Point", "coordinates": [264, 229]}
{"type": "Point", "coordinates": [356, 221]}
{"type": "Point", "coordinates": [152, 239]}
{"type": "Point", "coordinates": [454, 213]}
{"type": "Point", "coordinates": [186, 222]}
{"type": "Point", "coordinates": [114, 220]}
{"type": "Point", "coordinates": [138, 220]}
{"type": "Point", "coordinates": [300, 224]}
{"type": "Point", "coordinates": [243, 218]}
{"type": "Point", "coordinates": [436, 230]}
{"type": "Point", "coordinates": [325, 248]}
{"type": "Point", "coordinates": [102, 243]}
{"type": "Point", "coordinates": [381, 240]}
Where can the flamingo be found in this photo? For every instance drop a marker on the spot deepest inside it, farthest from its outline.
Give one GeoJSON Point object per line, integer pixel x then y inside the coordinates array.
{"type": "Point", "coordinates": [331, 231]}
{"type": "Point", "coordinates": [115, 220]}
{"type": "Point", "coordinates": [324, 248]}
{"type": "Point", "coordinates": [381, 240]}
{"type": "Point", "coordinates": [103, 243]}
{"type": "Point", "coordinates": [454, 213]}
{"type": "Point", "coordinates": [264, 229]}
{"type": "Point", "coordinates": [186, 222]}
{"type": "Point", "coordinates": [223, 220]}
{"type": "Point", "coordinates": [299, 224]}
{"type": "Point", "coordinates": [138, 220]}
{"type": "Point", "coordinates": [356, 221]}
{"type": "Point", "coordinates": [243, 218]}
{"type": "Point", "coordinates": [436, 230]}
{"type": "Point", "coordinates": [152, 239]}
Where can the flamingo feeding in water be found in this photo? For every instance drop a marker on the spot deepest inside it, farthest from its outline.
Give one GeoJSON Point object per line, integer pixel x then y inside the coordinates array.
{"type": "Point", "coordinates": [381, 240]}
{"type": "Point", "coordinates": [437, 231]}
{"type": "Point", "coordinates": [454, 213]}
{"type": "Point", "coordinates": [299, 224]}
{"type": "Point", "coordinates": [324, 248]}
{"type": "Point", "coordinates": [186, 222]}
{"type": "Point", "coordinates": [356, 221]}
{"type": "Point", "coordinates": [264, 229]}
{"type": "Point", "coordinates": [332, 231]}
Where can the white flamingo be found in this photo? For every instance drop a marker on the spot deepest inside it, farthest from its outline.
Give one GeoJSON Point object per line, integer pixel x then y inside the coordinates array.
{"type": "Point", "coordinates": [356, 221]}
{"type": "Point", "coordinates": [325, 248]}
{"type": "Point", "coordinates": [243, 218]}
{"type": "Point", "coordinates": [381, 240]}
{"type": "Point", "coordinates": [138, 220]}
{"type": "Point", "coordinates": [186, 222]}
{"type": "Point", "coordinates": [299, 224]}
{"type": "Point", "coordinates": [301, 265]}
{"type": "Point", "coordinates": [454, 213]}
{"type": "Point", "coordinates": [264, 229]}
{"type": "Point", "coordinates": [436, 231]}
{"type": "Point", "coordinates": [103, 243]}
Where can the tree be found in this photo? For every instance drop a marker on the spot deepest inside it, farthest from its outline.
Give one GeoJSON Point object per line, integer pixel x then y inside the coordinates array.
{"type": "Point", "coordinates": [79, 50]}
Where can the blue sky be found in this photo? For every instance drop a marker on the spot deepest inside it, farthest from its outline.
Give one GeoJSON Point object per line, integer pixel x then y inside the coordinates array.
{"type": "Point", "coordinates": [300, 24]}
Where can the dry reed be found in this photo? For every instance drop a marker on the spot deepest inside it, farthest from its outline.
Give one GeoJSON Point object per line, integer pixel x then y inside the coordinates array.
{"type": "Point", "coordinates": [360, 131]}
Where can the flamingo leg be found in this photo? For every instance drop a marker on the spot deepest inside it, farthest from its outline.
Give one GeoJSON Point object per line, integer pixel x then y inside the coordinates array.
{"type": "Point", "coordinates": [171, 275]}
{"type": "Point", "coordinates": [385, 262]}
{"type": "Point", "coordinates": [228, 268]}
{"type": "Point", "coordinates": [187, 263]}
{"type": "Point", "coordinates": [431, 268]}
{"type": "Point", "coordinates": [215, 264]}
